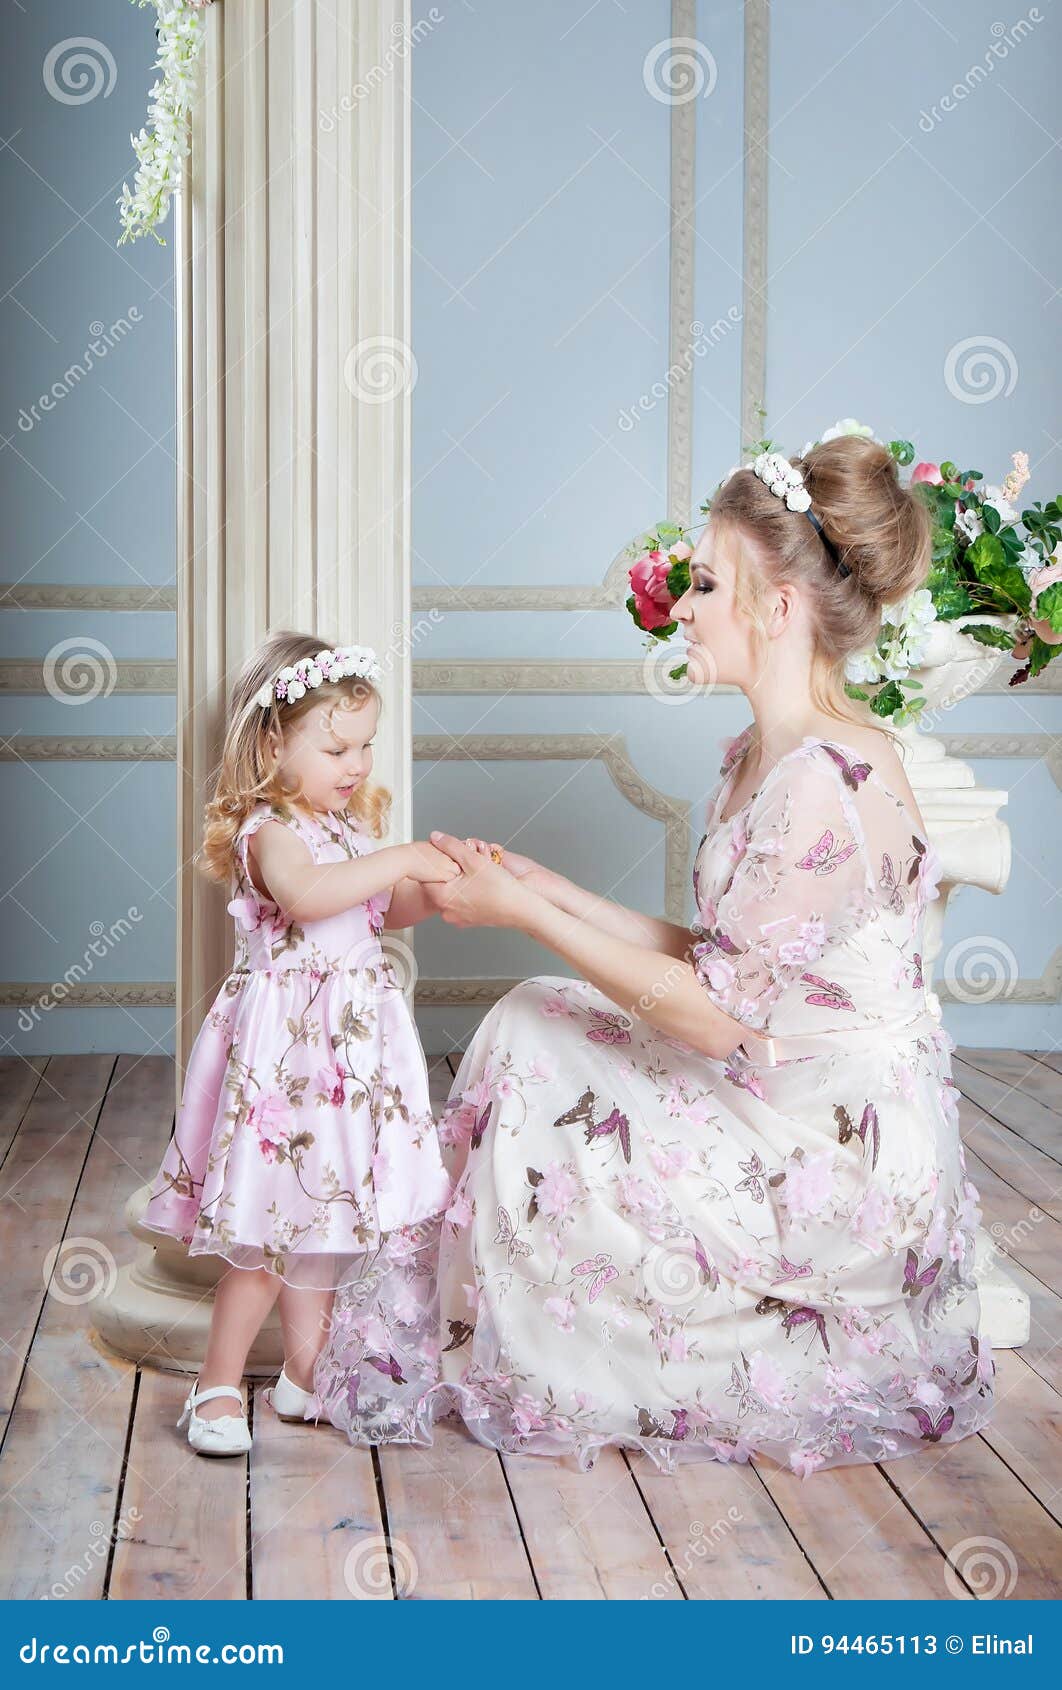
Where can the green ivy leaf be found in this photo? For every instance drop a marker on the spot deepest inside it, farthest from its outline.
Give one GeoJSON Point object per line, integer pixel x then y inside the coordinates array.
{"type": "Point", "coordinates": [1049, 606]}
{"type": "Point", "coordinates": [986, 634]}
{"type": "Point", "coordinates": [888, 700]}
{"type": "Point", "coordinates": [989, 563]}
{"type": "Point", "coordinates": [1040, 654]}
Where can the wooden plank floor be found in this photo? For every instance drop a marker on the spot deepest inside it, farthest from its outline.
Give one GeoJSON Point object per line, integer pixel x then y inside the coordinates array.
{"type": "Point", "coordinates": [101, 1497]}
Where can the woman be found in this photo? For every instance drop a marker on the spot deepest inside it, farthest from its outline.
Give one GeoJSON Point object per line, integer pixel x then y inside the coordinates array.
{"type": "Point", "coordinates": [711, 1197]}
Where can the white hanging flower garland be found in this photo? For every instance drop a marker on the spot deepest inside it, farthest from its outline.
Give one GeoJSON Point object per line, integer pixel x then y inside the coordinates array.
{"type": "Point", "coordinates": [162, 146]}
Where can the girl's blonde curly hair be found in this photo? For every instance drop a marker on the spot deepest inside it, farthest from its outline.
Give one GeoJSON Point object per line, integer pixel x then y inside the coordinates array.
{"type": "Point", "coordinates": [248, 774]}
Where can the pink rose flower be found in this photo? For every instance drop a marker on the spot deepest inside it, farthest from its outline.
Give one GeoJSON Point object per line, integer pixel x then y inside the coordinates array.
{"type": "Point", "coordinates": [808, 1187]}
{"type": "Point", "coordinates": [527, 1415]}
{"type": "Point", "coordinates": [768, 1381]}
{"type": "Point", "coordinates": [331, 1080]}
{"type": "Point", "coordinates": [459, 1214]}
{"type": "Point", "coordinates": [557, 1190]}
{"type": "Point", "coordinates": [927, 472]}
{"type": "Point", "coordinates": [561, 1311]}
{"type": "Point", "coordinates": [270, 1117]}
{"type": "Point", "coordinates": [652, 600]}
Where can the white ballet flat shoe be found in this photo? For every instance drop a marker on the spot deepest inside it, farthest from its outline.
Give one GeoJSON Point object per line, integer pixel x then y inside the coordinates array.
{"type": "Point", "coordinates": [229, 1434]}
{"type": "Point", "coordinates": [287, 1399]}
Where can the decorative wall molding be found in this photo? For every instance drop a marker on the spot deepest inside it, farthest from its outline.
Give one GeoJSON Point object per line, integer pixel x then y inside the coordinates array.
{"type": "Point", "coordinates": [88, 994]}
{"type": "Point", "coordinates": [610, 749]}
{"type": "Point", "coordinates": [128, 748]}
{"type": "Point", "coordinates": [28, 595]}
{"type": "Point", "coordinates": [754, 239]}
{"type": "Point", "coordinates": [468, 992]}
{"type": "Point", "coordinates": [25, 677]}
{"type": "Point", "coordinates": [146, 748]}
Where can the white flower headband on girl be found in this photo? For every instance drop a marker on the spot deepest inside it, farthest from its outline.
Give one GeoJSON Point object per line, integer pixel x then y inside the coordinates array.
{"type": "Point", "coordinates": [296, 679]}
{"type": "Point", "coordinates": [787, 482]}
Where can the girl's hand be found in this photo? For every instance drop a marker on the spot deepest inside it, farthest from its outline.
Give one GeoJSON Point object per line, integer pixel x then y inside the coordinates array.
{"type": "Point", "coordinates": [484, 895]}
{"type": "Point", "coordinates": [427, 864]}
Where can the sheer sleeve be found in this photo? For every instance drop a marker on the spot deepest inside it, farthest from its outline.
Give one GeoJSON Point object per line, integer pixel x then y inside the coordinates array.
{"type": "Point", "coordinates": [800, 884]}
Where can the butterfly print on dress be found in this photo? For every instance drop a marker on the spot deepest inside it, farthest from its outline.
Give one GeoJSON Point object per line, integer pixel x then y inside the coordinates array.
{"type": "Point", "coordinates": [617, 1125]}
{"type": "Point", "coordinates": [599, 1270]}
{"type": "Point", "coordinates": [612, 1028]}
{"type": "Point", "coordinates": [915, 1282]}
{"type": "Point", "coordinates": [854, 773]}
{"type": "Point", "coordinates": [827, 993]}
{"type": "Point", "coordinates": [794, 1318]}
{"type": "Point", "coordinates": [868, 1128]}
{"type": "Point", "coordinates": [890, 884]}
{"type": "Point", "coordinates": [933, 1430]}
{"type": "Point", "coordinates": [581, 1111]}
{"type": "Point", "coordinates": [825, 855]}
{"type": "Point", "coordinates": [756, 1173]}
{"type": "Point", "coordinates": [507, 1235]}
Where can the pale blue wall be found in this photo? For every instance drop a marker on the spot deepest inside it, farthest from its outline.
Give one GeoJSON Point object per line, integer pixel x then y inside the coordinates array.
{"type": "Point", "coordinates": [560, 250]}
{"type": "Point", "coordinates": [88, 496]}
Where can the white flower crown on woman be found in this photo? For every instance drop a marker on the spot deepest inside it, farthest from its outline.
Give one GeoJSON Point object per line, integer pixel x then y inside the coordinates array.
{"type": "Point", "coordinates": [787, 482]}
{"type": "Point", "coordinates": [338, 664]}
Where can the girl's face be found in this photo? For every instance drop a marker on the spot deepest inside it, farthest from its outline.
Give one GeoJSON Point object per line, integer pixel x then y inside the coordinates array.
{"type": "Point", "coordinates": [718, 637]}
{"type": "Point", "coordinates": [327, 753]}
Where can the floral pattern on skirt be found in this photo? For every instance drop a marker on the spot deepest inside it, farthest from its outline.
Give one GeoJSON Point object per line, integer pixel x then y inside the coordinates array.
{"type": "Point", "coordinates": [305, 1134]}
{"type": "Point", "coordinates": [705, 1259]}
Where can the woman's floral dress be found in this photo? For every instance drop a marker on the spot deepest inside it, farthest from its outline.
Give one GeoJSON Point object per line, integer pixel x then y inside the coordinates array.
{"type": "Point", "coordinates": [305, 1133]}
{"type": "Point", "coordinates": [770, 1254]}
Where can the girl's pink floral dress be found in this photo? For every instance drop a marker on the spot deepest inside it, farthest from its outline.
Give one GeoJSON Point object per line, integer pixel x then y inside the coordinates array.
{"type": "Point", "coordinates": [772, 1254]}
{"type": "Point", "coordinates": [305, 1134]}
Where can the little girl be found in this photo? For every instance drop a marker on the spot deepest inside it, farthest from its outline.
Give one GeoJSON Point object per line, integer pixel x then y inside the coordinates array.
{"type": "Point", "coordinates": [305, 1135]}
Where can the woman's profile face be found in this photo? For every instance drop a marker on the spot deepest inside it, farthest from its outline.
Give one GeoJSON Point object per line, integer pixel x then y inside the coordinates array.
{"type": "Point", "coordinates": [718, 642]}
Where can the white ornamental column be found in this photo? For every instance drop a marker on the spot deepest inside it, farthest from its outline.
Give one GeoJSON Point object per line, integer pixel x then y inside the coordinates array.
{"type": "Point", "coordinates": [295, 375]}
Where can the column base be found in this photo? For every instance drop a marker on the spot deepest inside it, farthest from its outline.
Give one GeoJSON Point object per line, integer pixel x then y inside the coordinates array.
{"type": "Point", "coordinates": [158, 1313]}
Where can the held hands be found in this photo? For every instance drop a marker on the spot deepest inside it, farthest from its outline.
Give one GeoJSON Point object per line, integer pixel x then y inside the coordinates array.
{"type": "Point", "coordinates": [485, 893]}
{"type": "Point", "coordinates": [428, 865]}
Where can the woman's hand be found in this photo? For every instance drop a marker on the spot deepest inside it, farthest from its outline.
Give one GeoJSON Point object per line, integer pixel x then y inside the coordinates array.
{"type": "Point", "coordinates": [484, 894]}
{"type": "Point", "coordinates": [427, 864]}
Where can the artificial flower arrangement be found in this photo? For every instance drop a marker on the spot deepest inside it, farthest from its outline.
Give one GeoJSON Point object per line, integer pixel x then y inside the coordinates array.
{"type": "Point", "coordinates": [987, 559]}
{"type": "Point", "coordinates": [162, 146]}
